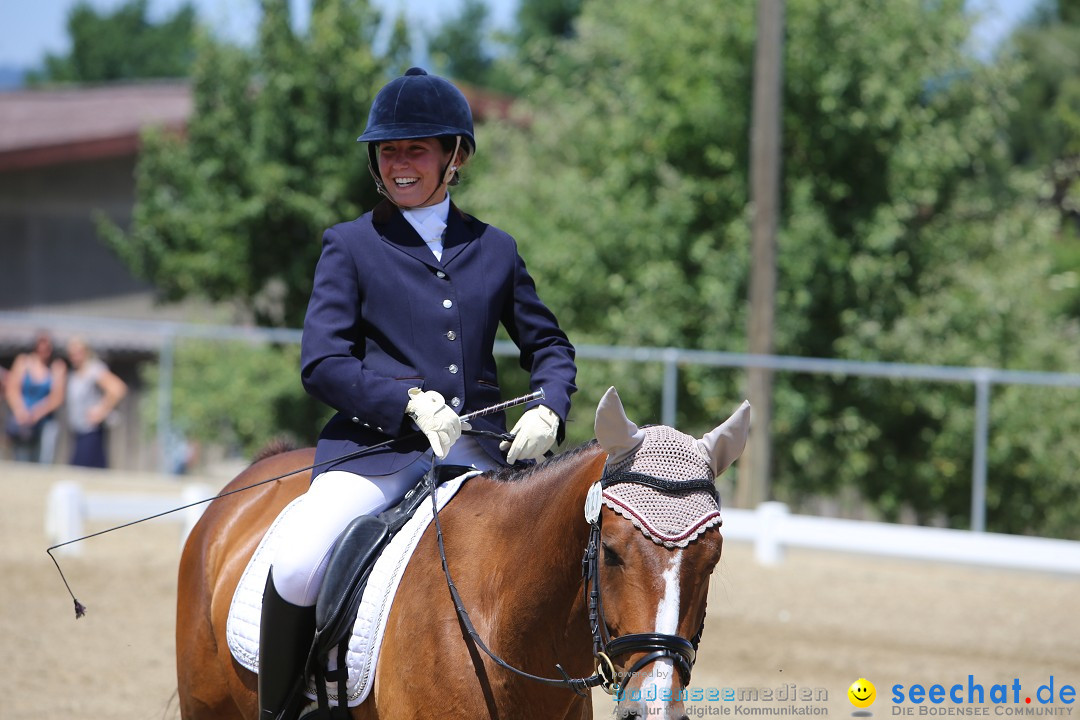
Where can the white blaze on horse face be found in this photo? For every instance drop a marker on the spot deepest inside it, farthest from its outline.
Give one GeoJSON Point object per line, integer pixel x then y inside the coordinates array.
{"type": "Point", "coordinates": [661, 673]}
{"type": "Point", "coordinates": [667, 612]}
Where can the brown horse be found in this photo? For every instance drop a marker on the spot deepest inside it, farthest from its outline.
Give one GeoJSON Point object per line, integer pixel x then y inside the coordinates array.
{"type": "Point", "coordinates": [514, 542]}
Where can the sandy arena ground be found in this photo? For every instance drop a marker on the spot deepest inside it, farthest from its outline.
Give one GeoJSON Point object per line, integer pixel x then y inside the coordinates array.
{"type": "Point", "coordinates": [820, 621]}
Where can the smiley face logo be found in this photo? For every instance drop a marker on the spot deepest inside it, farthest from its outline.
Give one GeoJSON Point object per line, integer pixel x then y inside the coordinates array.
{"type": "Point", "coordinates": [862, 693]}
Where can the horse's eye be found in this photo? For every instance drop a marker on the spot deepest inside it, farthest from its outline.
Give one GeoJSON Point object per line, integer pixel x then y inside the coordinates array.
{"type": "Point", "coordinates": [611, 557]}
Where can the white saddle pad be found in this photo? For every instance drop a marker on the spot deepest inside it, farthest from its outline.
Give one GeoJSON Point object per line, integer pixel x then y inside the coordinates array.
{"type": "Point", "coordinates": [242, 629]}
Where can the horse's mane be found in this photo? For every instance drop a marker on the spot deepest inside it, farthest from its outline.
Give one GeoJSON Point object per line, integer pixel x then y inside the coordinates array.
{"type": "Point", "coordinates": [283, 444]}
{"type": "Point", "coordinates": [516, 474]}
{"type": "Point", "coordinates": [275, 446]}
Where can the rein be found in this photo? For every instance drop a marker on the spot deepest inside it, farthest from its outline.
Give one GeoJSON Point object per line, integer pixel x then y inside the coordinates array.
{"type": "Point", "coordinates": [578, 685]}
{"type": "Point", "coordinates": [657, 646]}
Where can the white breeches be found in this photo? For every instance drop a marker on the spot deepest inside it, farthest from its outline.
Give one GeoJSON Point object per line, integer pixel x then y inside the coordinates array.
{"type": "Point", "coordinates": [335, 499]}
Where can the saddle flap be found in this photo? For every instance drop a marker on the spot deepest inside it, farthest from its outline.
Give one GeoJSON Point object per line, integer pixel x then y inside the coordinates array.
{"type": "Point", "coordinates": [357, 548]}
{"type": "Point", "coordinates": [376, 592]}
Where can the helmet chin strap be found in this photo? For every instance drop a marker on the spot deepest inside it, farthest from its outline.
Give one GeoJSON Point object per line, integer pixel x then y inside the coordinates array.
{"type": "Point", "coordinates": [447, 176]}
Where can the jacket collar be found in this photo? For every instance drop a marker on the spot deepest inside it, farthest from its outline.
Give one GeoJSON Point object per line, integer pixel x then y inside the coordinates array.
{"type": "Point", "coordinates": [396, 230]}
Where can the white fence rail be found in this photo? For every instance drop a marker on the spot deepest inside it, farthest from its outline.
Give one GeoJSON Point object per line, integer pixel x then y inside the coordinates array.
{"type": "Point", "coordinates": [69, 507]}
{"type": "Point", "coordinates": [772, 528]}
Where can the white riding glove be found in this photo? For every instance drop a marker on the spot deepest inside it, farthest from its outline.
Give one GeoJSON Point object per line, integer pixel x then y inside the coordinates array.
{"type": "Point", "coordinates": [436, 420]}
{"type": "Point", "coordinates": [534, 435]}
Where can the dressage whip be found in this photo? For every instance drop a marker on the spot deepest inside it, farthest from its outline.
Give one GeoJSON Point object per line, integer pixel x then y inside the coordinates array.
{"type": "Point", "coordinates": [80, 609]}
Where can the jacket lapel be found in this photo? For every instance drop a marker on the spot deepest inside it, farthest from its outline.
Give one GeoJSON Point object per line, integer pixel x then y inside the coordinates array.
{"type": "Point", "coordinates": [396, 231]}
{"type": "Point", "coordinates": [459, 233]}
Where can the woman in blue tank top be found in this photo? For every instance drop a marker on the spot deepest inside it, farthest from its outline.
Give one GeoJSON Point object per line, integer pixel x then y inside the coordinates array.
{"type": "Point", "coordinates": [34, 390]}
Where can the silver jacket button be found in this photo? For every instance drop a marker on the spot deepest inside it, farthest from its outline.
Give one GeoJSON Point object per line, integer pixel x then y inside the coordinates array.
{"type": "Point", "coordinates": [448, 304]}
{"type": "Point", "coordinates": [451, 335]}
{"type": "Point", "coordinates": [453, 369]}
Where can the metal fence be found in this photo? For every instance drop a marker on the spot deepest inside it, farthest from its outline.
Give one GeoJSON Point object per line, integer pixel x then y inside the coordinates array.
{"type": "Point", "coordinates": [164, 336]}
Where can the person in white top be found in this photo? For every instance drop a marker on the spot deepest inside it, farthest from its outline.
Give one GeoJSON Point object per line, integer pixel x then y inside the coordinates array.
{"type": "Point", "coordinates": [93, 391]}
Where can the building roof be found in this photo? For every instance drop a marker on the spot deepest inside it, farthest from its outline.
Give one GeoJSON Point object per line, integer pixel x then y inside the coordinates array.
{"type": "Point", "coordinates": [49, 127]}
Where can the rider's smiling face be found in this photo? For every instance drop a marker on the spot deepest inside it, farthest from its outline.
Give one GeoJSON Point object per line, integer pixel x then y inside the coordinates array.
{"type": "Point", "coordinates": [412, 171]}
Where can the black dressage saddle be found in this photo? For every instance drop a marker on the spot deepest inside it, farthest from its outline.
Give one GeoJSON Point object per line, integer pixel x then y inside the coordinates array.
{"type": "Point", "coordinates": [354, 555]}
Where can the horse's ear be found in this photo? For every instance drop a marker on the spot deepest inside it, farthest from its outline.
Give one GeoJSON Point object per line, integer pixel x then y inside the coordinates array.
{"type": "Point", "coordinates": [617, 435]}
{"type": "Point", "coordinates": [724, 444]}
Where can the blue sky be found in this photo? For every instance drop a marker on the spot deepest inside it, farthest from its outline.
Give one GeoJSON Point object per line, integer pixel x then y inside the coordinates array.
{"type": "Point", "coordinates": [31, 28]}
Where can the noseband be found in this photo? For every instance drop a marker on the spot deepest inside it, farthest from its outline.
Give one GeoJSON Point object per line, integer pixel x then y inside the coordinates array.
{"type": "Point", "coordinates": [656, 646]}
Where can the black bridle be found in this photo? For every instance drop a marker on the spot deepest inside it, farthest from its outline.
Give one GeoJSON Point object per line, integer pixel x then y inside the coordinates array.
{"type": "Point", "coordinates": [656, 646]}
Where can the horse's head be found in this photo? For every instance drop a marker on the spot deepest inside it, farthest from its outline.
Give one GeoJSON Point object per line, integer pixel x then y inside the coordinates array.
{"type": "Point", "coordinates": [656, 516]}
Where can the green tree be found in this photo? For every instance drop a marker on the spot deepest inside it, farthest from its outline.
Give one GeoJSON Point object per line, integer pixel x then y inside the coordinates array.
{"type": "Point", "coordinates": [907, 233]}
{"type": "Point", "coordinates": [237, 395]}
{"type": "Point", "coordinates": [547, 19]}
{"type": "Point", "coordinates": [122, 45]}
{"type": "Point", "coordinates": [541, 25]}
{"type": "Point", "coordinates": [1045, 124]}
{"type": "Point", "coordinates": [458, 47]}
{"type": "Point", "coordinates": [234, 211]}
{"type": "Point", "coordinates": [399, 54]}
{"type": "Point", "coordinates": [627, 191]}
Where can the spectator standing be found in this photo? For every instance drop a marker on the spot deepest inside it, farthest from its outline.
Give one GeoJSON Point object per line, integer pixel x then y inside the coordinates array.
{"type": "Point", "coordinates": [34, 390]}
{"type": "Point", "coordinates": [93, 392]}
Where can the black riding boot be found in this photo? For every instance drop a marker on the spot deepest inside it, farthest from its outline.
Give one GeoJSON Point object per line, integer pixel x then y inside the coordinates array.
{"type": "Point", "coordinates": [285, 638]}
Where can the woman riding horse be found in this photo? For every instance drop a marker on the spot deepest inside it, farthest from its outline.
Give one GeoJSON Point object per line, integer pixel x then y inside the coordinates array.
{"type": "Point", "coordinates": [514, 542]}
{"type": "Point", "coordinates": [400, 329]}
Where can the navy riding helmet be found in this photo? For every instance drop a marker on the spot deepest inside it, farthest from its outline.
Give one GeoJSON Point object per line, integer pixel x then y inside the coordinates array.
{"type": "Point", "coordinates": [418, 105]}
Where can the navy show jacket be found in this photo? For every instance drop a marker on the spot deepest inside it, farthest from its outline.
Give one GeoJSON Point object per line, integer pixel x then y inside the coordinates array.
{"type": "Point", "coordinates": [385, 315]}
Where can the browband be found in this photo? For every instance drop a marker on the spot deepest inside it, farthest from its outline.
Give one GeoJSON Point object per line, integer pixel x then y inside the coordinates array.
{"type": "Point", "coordinates": [671, 486]}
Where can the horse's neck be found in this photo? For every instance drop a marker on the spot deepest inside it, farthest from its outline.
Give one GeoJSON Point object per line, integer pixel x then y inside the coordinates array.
{"type": "Point", "coordinates": [548, 508]}
{"type": "Point", "coordinates": [539, 533]}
